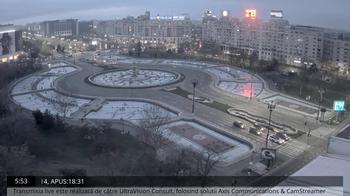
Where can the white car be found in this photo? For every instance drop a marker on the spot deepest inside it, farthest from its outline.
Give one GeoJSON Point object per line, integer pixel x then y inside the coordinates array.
{"type": "Point", "coordinates": [276, 139]}
{"type": "Point", "coordinates": [283, 136]}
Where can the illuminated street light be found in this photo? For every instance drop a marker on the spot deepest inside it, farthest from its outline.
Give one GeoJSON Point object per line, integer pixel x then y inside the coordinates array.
{"type": "Point", "coordinates": [225, 13]}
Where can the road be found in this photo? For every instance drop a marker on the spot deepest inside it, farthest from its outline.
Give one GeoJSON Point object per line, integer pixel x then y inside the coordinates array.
{"type": "Point", "coordinates": [76, 84]}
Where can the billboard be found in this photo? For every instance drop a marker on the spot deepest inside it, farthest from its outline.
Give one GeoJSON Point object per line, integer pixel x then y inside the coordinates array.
{"type": "Point", "coordinates": [339, 105]}
{"type": "Point", "coordinates": [276, 14]}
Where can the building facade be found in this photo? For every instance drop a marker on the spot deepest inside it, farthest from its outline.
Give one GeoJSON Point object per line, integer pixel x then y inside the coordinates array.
{"type": "Point", "coordinates": [10, 43]}
{"type": "Point", "coordinates": [337, 49]}
{"type": "Point", "coordinates": [273, 39]}
{"type": "Point", "coordinates": [60, 28]}
{"type": "Point", "coordinates": [158, 28]}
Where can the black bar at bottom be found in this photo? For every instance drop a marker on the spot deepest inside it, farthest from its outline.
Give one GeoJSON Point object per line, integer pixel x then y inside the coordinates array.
{"type": "Point", "coordinates": [171, 181]}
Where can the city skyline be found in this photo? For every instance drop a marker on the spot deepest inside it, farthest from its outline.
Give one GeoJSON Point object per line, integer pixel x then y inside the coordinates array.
{"type": "Point", "coordinates": [322, 13]}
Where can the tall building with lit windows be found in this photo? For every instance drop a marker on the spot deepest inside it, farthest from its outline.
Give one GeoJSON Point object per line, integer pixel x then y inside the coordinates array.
{"type": "Point", "coordinates": [222, 29]}
{"type": "Point", "coordinates": [10, 43]}
{"type": "Point", "coordinates": [173, 29]}
{"type": "Point", "coordinates": [273, 39]}
{"type": "Point", "coordinates": [337, 49]}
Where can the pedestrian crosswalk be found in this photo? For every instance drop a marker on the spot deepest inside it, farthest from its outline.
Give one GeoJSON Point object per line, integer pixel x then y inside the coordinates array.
{"type": "Point", "coordinates": [292, 149]}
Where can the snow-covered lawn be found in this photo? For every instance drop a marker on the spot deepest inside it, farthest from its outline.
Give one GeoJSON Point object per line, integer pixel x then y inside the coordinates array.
{"type": "Point", "coordinates": [133, 111]}
{"type": "Point", "coordinates": [239, 75]}
{"type": "Point", "coordinates": [25, 85]}
{"type": "Point", "coordinates": [46, 83]}
{"type": "Point", "coordinates": [60, 70]}
{"type": "Point", "coordinates": [295, 105]}
{"type": "Point", "coordinates": [239, 148]}
{"type": "Point", "coordinates": [185, 63]}
{"type": "Point", "coordinates": [221, 75]}
{"type": "Point", "coordinates": [57, 97]}
{"type": "Point", "coordinates": [243, 89]}
{"type": "Point", "coordinates": [34, 102]}
{"type": "Point", "coordinates": [134, 78]}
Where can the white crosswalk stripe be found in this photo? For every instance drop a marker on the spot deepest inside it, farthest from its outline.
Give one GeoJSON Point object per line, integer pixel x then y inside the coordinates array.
{"type": "Point", "coordinates": [292, 148]}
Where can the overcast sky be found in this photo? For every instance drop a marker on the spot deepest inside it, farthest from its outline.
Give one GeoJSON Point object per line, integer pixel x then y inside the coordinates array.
{"type": "Point", "coordinates": [324, 13]}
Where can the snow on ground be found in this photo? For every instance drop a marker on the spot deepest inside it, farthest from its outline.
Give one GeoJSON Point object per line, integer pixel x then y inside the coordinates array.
{"type": "Point", "coordinates": [34, 102]}
{"type": "Point", "coordinates": [243, 89]}
{"type": "Point", "coordinates": [221, 75]}
{"type": "Point", "coordinates": [185, 63]}
{"type": "Point", "coordinates": [239, 148]}
{"type": "Point", "coordinates": [59, 64]}
{"type": "Point", "coordinates": [307, 109]}
{"type": "Point", "coordinates": [128, 110]}
{"type": "Point", "coordinates": [46, 83]}
{"type": "Point", "coordinates": [239, 74]}
{"type": "Point", "coordinates": [134, 78]}
{"type": "Point", "coordinates": [57, 97]}
{"type": "Point", "coordinates": [135, 61]}
{"type": "Point", "coordinates": [61, 70]}
{"type": "Point", "coordinates": [25, 85]}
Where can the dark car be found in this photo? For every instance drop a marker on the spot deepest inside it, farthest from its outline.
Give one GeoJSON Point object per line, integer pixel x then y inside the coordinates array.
{"type": "Point", "coordinates": [239, 124]}
{"type": "Point", "coordinates": [255, 131]}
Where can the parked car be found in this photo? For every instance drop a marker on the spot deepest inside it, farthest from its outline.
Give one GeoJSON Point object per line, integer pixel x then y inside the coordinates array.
{"type": "Point", "coordinates": [276, 139]}
{"type": "Point", "coordinates": [239, 124]}
{"type": "Point", "coordinates": [255, 131]}
{"type": "Point", "coordinates": [282, 135]}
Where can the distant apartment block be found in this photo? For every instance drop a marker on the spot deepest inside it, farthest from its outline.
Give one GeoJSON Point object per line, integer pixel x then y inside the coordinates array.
{"type": "Point", "coordinates": [277, 39]}
{"type": "Point", "coordinates": [61, 28]}
{"type": "Point", "coordinates": [10, 42]}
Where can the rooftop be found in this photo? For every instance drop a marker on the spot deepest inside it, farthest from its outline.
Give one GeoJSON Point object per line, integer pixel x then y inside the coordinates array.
{"type": "Point", "coordinates": [329, 165]}
{"type": "Point", "coordinates": [345, 133]}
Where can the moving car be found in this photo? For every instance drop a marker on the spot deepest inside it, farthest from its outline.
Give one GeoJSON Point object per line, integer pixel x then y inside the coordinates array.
{"type": "Point", "coordinates": [260, 127]}
{"type": "Point", "coordinates": [255, 131]}
{"type": "Point", "coordinates": [239, 124]}
{"type": "Point", "coordinates": [282, 135]}
{"type": "Point", "coordinates": [276, 139]}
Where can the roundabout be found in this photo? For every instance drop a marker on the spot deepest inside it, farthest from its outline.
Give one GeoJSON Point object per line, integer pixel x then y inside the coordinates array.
{"type": "Point", "coordinates": [78, 91]}
{"type": "Point", "coordinates": [135, 78]}
{"type": "Point", "coordinates": [129, 97]}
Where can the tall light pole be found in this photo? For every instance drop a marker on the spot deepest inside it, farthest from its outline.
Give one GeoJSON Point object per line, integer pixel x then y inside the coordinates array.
{"type": "Point", "coordinates": [251, 90]}
{"type": "Point", "coordinates": [321, 91]}
{"type": "Point", "coordinates": [194, 83]}
{"type": "Point", "coordinates": [271, 106]}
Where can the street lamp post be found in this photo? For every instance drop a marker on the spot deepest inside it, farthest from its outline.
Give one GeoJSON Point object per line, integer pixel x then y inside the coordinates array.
{"type": "Point", "coordinates": [321, 91]}
{"type": "Point", "coordinates": [194, 83]}
{"type": "Point", "coordinates": [251, 90]}
{"type": "Point", "coordinates": [271, 106]}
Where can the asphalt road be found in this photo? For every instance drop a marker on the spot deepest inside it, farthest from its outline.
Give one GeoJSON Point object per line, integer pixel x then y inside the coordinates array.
{"type": "Point", "coordinates": [76, 84]}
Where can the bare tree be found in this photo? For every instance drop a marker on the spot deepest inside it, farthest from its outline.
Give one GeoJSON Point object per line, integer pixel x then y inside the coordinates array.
{"type": "Point", "coordinates": [180, 162]}
{"type": "Point", "coordinates": [63, 104]}
{"type": "Point", "coordinates": [205, 162]}
{"type": "Point", "coordinates": [4, 104]}
{"type": "Point", "coordinates": [154, 125]}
